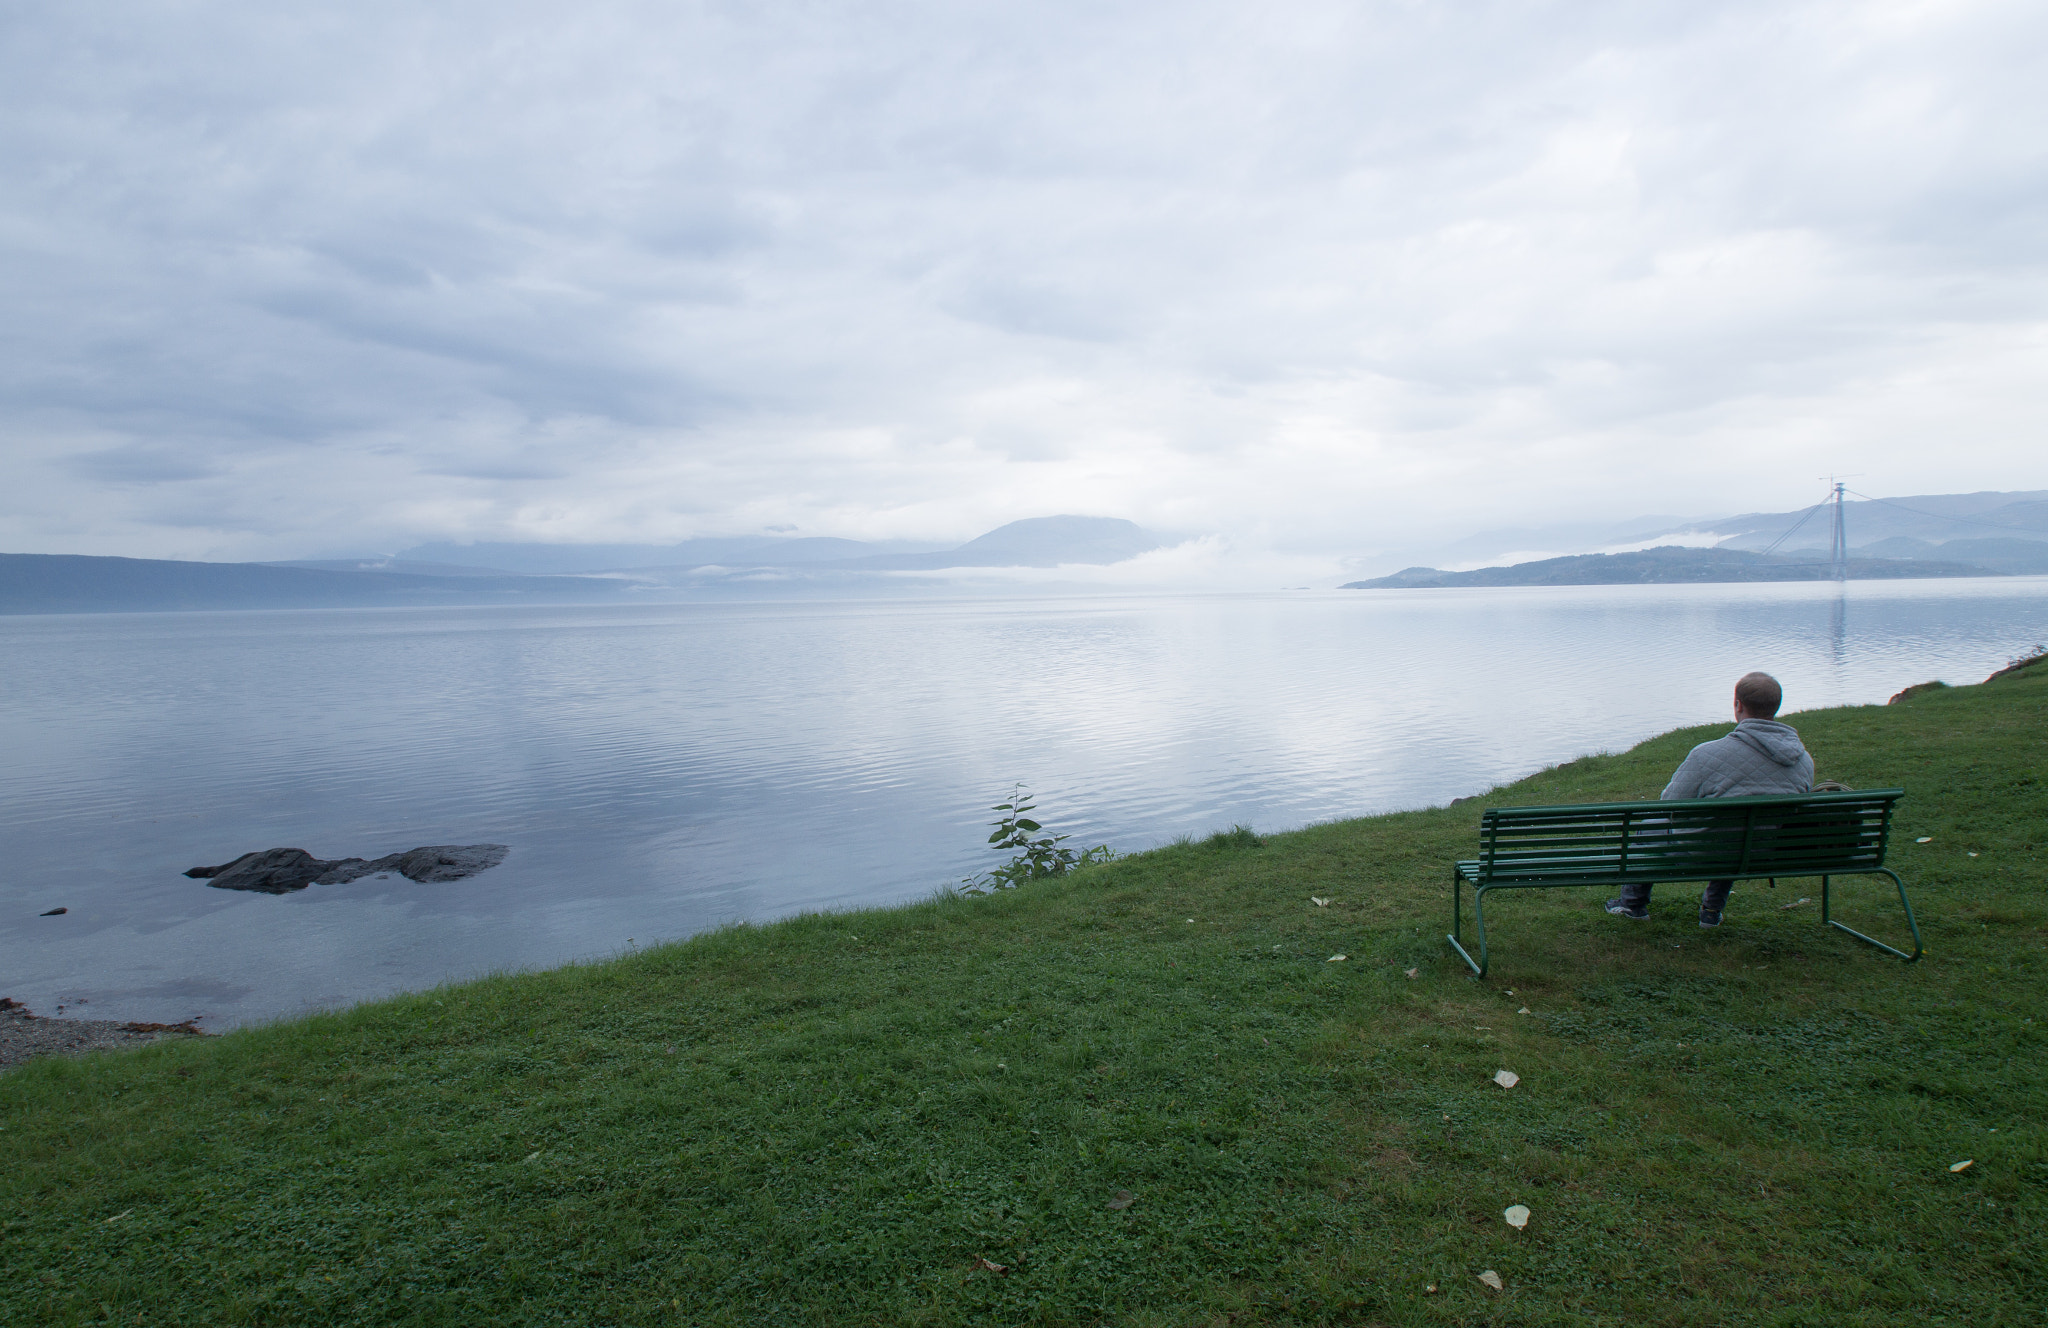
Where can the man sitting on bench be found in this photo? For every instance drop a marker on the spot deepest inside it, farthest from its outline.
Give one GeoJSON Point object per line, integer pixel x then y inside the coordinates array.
{"type": "Point", "coordinates": [1760, 758]}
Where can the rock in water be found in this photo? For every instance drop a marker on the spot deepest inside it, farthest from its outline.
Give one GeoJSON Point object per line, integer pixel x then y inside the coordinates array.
{"type": "Point", "coordinates": [279, 871]}
{"type": "Point", "coordinates": [440, 862]}
{"type": "Point", "coordinates": [274, 871]}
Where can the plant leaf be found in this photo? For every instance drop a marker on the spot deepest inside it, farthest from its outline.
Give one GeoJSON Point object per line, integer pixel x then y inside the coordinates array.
{"type": "Point", "coordinates": [1506, 1078]}
{"type": "Point", "coordinates": [1517, 1216]}
{"type": "Point", "coordinates": [1491, 1279]}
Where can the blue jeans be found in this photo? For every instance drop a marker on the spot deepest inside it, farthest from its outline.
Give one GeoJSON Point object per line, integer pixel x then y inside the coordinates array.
{"type": "Point", "coordinates": [1712, 900]}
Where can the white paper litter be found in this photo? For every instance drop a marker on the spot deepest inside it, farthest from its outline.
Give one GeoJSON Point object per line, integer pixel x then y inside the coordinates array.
{"type": "Point", "coordinates": [1507, 1078]}
{"type": "Point", "coordinates": [1517, 1216]}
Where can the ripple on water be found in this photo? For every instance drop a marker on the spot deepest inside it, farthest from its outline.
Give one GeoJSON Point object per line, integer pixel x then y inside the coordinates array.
{"type": "Point", "coordinates": [669, 767]}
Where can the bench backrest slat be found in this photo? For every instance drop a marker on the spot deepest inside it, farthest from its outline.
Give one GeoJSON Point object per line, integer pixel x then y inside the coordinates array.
{"type": "Point", "coordinates": [1778, 836]}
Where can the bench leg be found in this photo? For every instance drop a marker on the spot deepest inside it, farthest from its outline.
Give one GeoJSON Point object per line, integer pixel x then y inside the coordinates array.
{"type": "Point", "coordinates": [1904, 903]}
{"type": "Point", "coordinates": [1478, 921]}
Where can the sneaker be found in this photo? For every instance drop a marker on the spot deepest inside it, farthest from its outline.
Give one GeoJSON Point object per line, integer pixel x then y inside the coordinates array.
{"type": "Point", "coordinates": [1709, 917]}
{"type": "Point", "coordinates": [1621, 908]}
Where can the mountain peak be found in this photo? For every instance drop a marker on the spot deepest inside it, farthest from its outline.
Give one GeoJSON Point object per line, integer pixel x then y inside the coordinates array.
{"type": "Point", "coordinates": [1048, 541]}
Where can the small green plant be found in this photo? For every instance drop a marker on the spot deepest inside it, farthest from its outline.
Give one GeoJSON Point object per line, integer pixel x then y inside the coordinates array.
{"type": "Point", "coordinates": [1237, 836]}
{"type": "Point", "coordinates": [1032, 859]}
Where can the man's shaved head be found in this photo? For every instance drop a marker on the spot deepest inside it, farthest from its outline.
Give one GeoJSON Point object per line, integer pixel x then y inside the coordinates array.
{"type": "Point", "coordinates": [1760, 694]}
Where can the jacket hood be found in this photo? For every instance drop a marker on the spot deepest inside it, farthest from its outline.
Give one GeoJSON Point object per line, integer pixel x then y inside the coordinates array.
{"type": "Point", "coordinates": [1778, 741]}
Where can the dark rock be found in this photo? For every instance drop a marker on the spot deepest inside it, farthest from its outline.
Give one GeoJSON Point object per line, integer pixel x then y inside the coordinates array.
{"type": "Point", "coordinates": [441, 862]}
{"type": "Point", "coordinates": [274, 871]}
{"type": "Point", "coordinates": [55, 911]}
{"type": "Point", "coordinates": [279, 871]}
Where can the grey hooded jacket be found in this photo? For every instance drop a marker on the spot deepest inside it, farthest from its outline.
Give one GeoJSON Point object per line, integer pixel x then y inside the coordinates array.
{"type": "Point", "coordinates": [1760, 757]}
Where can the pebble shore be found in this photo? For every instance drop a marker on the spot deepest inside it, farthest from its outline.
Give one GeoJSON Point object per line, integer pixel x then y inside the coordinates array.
{"type": "Point", "coordinates": [24, 1036]}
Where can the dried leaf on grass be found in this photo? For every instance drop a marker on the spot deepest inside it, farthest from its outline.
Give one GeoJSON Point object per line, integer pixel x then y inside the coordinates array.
{"type": "Point", "coordinates": [1491, 1279]}
{"type": "Point", "coordinates": [1335, 959]}
{"type": "Point", "coordinates": [989, 1266]}
{"type": "Point", "coordinates": [1320, 903]}
{"type": "Point", "coordinates": [1964, 1165]}
{"type": "Point", "coordinates": [1124, 1199]}
{"type": "Point", "coordinates": [1517, 1216]}
{"type": "Point", "coordinates": [1413, 971]}
{"type": "Point", "coordinates": [1523, 1010]}
{"type": "Point", "coordinates": [1506, 1078]}
{"type": "Point", "coordinates": [1795, 903]}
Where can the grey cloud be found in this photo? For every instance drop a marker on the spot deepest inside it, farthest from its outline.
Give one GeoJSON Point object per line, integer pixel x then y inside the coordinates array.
{"type": "Point", "coordinates": [140, 464]}
{"type": "Point", "coordinates": [854, 269]}
{"type": "Point", "coordinates": [507, 469]}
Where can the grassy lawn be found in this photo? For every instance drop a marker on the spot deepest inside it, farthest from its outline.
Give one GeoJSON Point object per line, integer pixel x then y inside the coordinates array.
{"type": "Point", "coordinates": [846, 1119]}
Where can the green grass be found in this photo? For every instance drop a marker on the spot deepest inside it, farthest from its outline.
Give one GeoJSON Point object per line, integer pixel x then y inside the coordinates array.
{"type": "Point", "coordinates": [831, 1120]}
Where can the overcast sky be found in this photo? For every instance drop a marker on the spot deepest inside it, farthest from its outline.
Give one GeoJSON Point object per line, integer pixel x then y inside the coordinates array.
{"type": "Point", "coordinates": [283, 281]}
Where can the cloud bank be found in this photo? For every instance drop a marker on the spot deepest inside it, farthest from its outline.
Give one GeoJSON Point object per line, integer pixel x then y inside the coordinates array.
{"type": "Point", "coordinates": [1320, 279]}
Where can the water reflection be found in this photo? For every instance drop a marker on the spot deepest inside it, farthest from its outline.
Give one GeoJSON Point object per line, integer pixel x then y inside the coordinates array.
{"type": "Point", "coordinates": [662, 769]}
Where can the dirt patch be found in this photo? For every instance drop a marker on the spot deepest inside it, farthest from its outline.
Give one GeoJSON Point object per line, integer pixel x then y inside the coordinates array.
{"type": "Point", "coordinates": [24, 1036]}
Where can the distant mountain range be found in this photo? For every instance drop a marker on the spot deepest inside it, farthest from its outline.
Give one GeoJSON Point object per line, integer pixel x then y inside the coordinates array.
{"type": "Point", "coordinates": [1932, 520]}
{"type": "Point", "coordinates": [539, 573]}
{"type": "Point", "coordinates": [1972, 534]}
{"type": "Point", "coordinates": [1666, 565]}
{"type": "Point", "coordinates": [1041, 541]}
{"type": "Point", "coordinates": [576, 559]}
{"type": "Point", "coordinates": [68, 583]}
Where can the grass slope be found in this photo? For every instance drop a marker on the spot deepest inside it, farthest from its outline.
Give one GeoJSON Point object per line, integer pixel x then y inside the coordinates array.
{"type": "Point", "coordinates": [834, 1119]}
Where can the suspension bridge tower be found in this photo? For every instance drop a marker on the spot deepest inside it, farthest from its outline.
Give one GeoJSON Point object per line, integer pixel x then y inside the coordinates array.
{"type": "Point", "coordinates": [1839, 553]}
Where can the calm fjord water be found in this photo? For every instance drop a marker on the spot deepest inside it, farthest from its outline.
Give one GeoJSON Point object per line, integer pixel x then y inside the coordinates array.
{"type": "Point", "coordinates": [664, 768]}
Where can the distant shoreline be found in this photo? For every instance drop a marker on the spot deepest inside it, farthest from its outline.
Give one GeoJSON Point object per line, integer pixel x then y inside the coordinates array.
{"type": "Point", "coordinates": [1674, 565]}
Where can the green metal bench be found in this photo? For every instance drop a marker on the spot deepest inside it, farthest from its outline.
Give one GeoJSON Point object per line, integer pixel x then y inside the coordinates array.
{"type": "Point", "coordinates": [1701, 839]}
